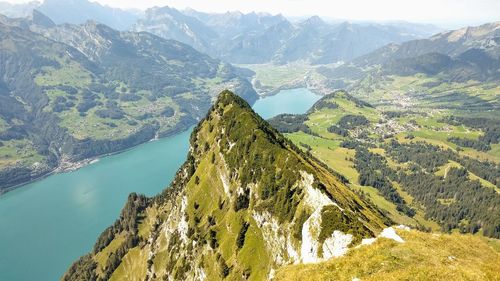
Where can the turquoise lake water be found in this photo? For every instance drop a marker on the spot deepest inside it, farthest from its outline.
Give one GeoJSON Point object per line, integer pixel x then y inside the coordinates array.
{"type": "Point", "coordinates": [48, 224]}
{"type": "Point", "coordinates": [295, 101]}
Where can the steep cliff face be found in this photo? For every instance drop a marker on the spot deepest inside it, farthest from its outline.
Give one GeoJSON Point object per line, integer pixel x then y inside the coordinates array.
{"type": "Point", "coordinates": [246, 202]}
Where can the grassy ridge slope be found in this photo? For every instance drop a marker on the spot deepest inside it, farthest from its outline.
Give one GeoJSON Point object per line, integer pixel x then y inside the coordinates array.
{"type": "Point", "coordinates": [246, 202]}
{"type": "Point", "coordinates": [423, 256]}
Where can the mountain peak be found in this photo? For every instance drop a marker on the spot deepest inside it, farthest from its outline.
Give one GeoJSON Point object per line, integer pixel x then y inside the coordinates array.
{"type": "Point", "coordinates": [156, 11]}
{"type": "Point", "coordinates": [227, 97]}
{"type": "Point", "coordinates": [41, 19]}
{"type": "Point", "coordinates": [79, 11]}
{"type": "Point", "coordinates": [314, 20]}
{"type": "Point", "coordinates": [245, 191]}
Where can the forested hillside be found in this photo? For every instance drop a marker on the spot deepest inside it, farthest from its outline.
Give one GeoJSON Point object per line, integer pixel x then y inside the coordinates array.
{"type": "Point", "coordinates": [69, 92]}
{"type": "Point", "coordinates": [401, 160]}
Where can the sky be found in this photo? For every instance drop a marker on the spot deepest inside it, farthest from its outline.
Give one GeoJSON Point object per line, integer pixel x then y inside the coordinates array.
{"type": "Point", "coordinates": [431, 11]}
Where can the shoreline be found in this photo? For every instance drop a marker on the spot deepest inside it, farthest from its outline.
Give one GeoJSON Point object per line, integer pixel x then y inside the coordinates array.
{"type": "Point", "coordinates": [73, 166]}
{"type": "Point", "coordinates": [67, 167]}
{"type": "Point", "coordinates": [269, 93]}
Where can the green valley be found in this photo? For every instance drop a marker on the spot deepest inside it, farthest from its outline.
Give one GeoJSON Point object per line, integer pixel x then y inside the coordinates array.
{"type": "Point", "coordinates": [386, 155]}
{"type": "Point", "coordinates": [69, 93]}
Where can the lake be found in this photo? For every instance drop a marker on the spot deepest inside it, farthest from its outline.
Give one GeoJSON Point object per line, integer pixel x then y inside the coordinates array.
{"type": "Point", "coordinates": [48, 224]}
{"type": "Point", "coordinates": [295, 101]}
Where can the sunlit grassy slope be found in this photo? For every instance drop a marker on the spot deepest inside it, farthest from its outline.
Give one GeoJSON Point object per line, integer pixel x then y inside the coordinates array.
{"type": "Point", "coordinates": [423, 256]}
{"type": "Point", "coordinates": [429, 128]}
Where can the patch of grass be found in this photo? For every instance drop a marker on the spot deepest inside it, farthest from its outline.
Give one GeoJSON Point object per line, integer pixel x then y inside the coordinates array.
{"type": "Point", "coordinates": [254, 255]}
{"type": "Point", "coordinates": [321, 120]}
{"type": "Point", "coordinates": [208, 83]}
{"type": "Point", "coordinates": [492, 155]}
{"type": "Point", "coordinates": [313, 141]}
{"type": "Point", "coordinates": [452, 164]}
{"type": "Point", "coordinates": [92, 126]}
{"type": "Point", "coordinates": [384, 204]}
{"type": "Point", "coordinates": [495, 150]}
{"type": "Point", "coordinates": [20, 152]}
{"type": "Point", "coordinates": [72, 74]}
{"type": "Point", "coordinates": [145, 226]}
{"type": "Point", "coordinates": [102, 257]}
{"type": "Point", "coordinates": [274, 76]}
{"type": "Point", "coordinates": [133, 266]}
{"type": "Point", "coordinates": [423, 256]}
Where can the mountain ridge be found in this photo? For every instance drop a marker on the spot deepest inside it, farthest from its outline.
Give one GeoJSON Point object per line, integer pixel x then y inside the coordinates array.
{"type": "Point", "coordinates": [261, 38]}
{"type": "Point", "coordinates": [451, 43]}
{"type": "Point", "coordinates": [222, 209]}
{"type": "Point", "coordinates": [469, 53]}
{"type": "Point", "coordinates": [238, 37]}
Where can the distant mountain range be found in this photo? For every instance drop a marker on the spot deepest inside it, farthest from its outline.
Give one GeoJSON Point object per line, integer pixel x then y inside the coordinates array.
{"type": "Point", "coordinates": [236, 37]}
{"type": "Point", "coordinates": [69, 92]}
{"type": "Point", "coordinates": [460, 55]}
{"type": "Point", "coordinates": [74, 12]}
{"type": "Point", "coordinates": [261, 38]}
{"type": "Point", "coordinates": [18, 10]}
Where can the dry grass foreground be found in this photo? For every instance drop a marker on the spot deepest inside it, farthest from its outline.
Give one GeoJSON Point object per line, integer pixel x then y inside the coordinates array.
{"type": "Point", "coordinates": [423, 256]}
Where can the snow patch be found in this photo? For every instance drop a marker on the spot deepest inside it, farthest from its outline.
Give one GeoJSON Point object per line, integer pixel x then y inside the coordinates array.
{"type": "Point", "coordinates": [290, 250]}
{"type": "Point", "coordinates": [240, 191]}
{"type": "Point", "coordinates": [272, 272]}
{"type": "Point", "coordinates": [231, 145]}
{"type": "Point", "coordinates": [313, 196]}
{"type": "Point", "coordinates": [224, 177]}
{"type": "Point", "coordinates": [199, 274]}
{"type": "Point", "coordinates": [183, 226]}
{"type": "Point", "coordinates": [310, 233]}
{"type": "Point", "coordinates": [336, 245]}
{"type": "Point", "coordinates": [367, 241]}
{"type": "Point", "coordinates": [225, 183]}
{"type": "Point", "coordinates": [403, 227]}
{"type": "Point", "coordinates": [390, 233]}
{"type": "Point", "coordinates": [280, 245]}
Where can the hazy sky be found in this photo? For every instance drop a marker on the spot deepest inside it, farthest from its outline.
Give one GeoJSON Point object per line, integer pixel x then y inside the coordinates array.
{"type": "Point", "coordinates": [437, 11]}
